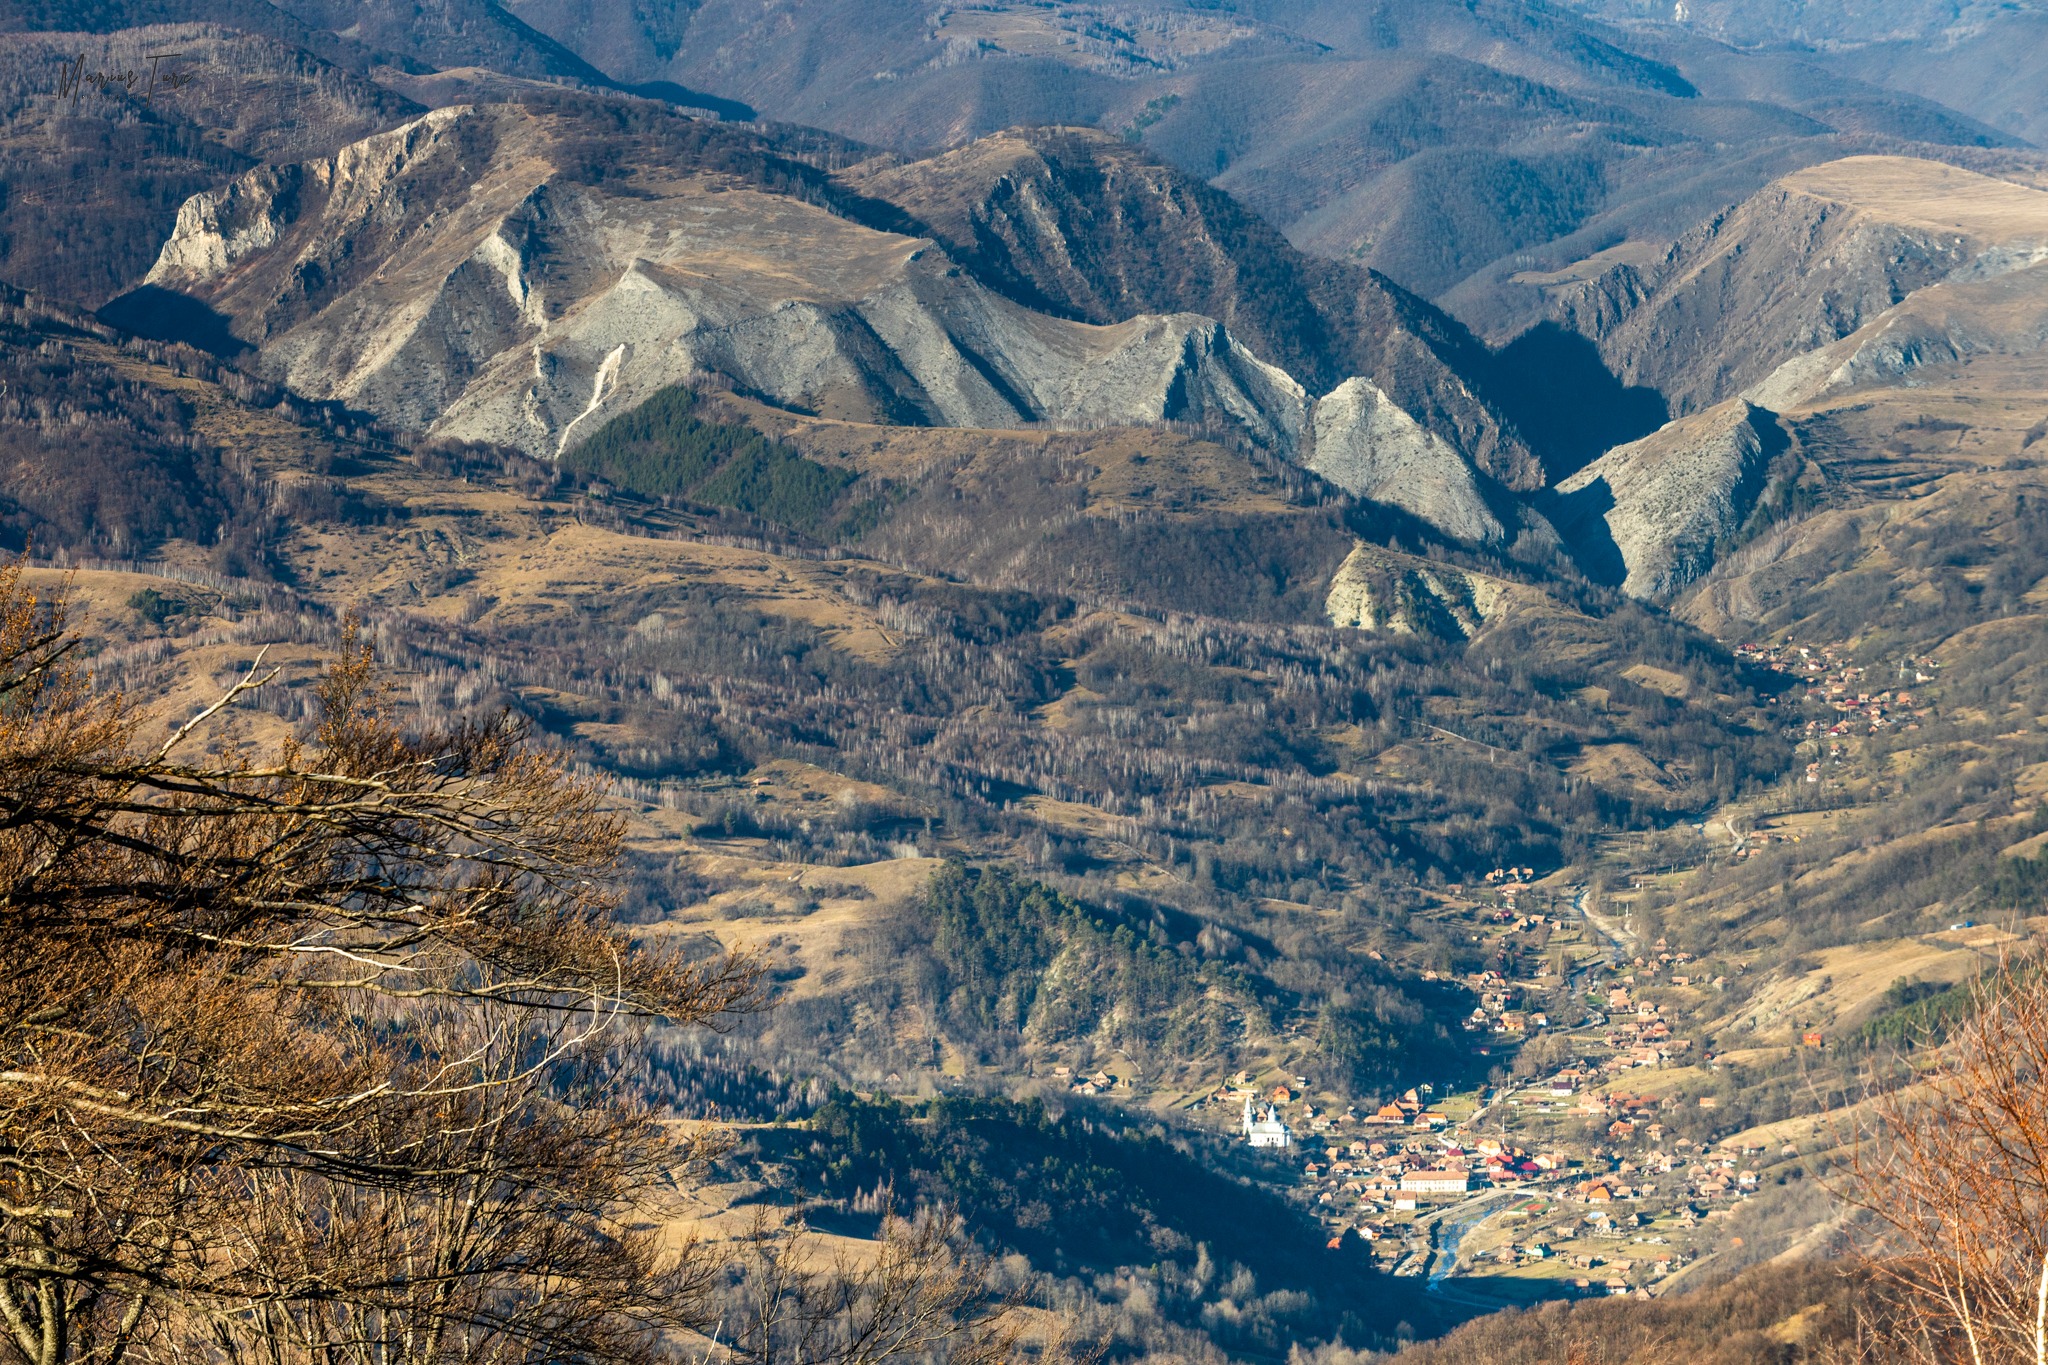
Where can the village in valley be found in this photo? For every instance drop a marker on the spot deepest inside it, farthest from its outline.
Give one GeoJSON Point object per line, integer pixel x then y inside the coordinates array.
{"type": "Point", "coordinates": [1617, 1143]}
{"type": "Point", "coordinates": [1844, 688]}
{"type": "Point", "coordinates": [1651, 1099]}
{"type": "Point", "coordinates": [1603, 1137]}
{"type": "Point", "coordinates": [1574, 1179]}
{"type": "Point", "coordinates": [1588, 1174]}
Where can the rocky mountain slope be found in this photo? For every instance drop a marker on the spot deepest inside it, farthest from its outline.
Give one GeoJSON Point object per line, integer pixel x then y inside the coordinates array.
{"type": "Point", "coordinates": [1808, 261]}
{"type": "Point", "coordinates": [1089, 227]}
{"type": "Point", "coordinates": [459, 276]}
{"type": "Point", "coordinates": [1033, 506]}
{"type": "Point", "coordinates": [1367, 444]}
{"type": "Point", "coordinates": [517, 274]}
{"type": "Point", "coordinates": [1869, 285]}
{"type": "Point", "coordinates": [95, 172]}
{"type": "Point", "coordinates": [1652, 514]}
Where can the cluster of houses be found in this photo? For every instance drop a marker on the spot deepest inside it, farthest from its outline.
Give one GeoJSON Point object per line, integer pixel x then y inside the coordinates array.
{"type": "Point", "coordinates": [1098, 1082]}
{"type": "Point", "coordinates": [1699, 1175]}
{"type": "Point", "coordinates": [1813, 769]}
{"type": "Point", "coordinates": [1633, 1117]}
{"type": "Point", "coordinates": [1840, 687]}
{"type": "Point", "coordinates": [1369, 1178]}
{"type": "Point", "coordinates": [1617, 1279]}
{"type": "Point", "coordinates": [1498, 999]}
{"type": "Point", "coordinates": [1496, 994]}
{"type": "Point", "coordinates": [1401, 1156]}
{"type": "Point", "coordinates": [1511, 882]}
{"type": "Point", "coordinates": [1367, 1169]}
{"type": "Point", "coordinates": [1371, 1175]}
{"type": "Point", "coordinates": [1261, 1124]}
{"type": "Point", "coordinates": [1410, 1112]}
{"type": "Point", "coordinates": [1866, 712]}
{"type": "Point", "coordinates": [1639, 1033]}
{"type": "Point", "coordinates": [1508, 884]}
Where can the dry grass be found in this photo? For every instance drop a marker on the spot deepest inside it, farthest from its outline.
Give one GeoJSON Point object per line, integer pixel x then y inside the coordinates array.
{"type": "Point", "coordinates": [1658, 680]}
{"type": "Point", "coordinates": [1851, 981]}
{"type": "Point", "coordinates": [1928, 195]}
{"type": "Point", "coordinates": [1621, 765]}
{"type": "Point", "coordinates": [767, 906]}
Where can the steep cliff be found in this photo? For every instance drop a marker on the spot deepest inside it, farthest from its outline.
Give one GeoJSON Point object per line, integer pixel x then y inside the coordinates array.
{"type": "Point", "coordinates": [1652, 515]}
{"type": "Point", "coordinates": [470, 276]}
{"type": "Point", "coordinates": [519, 275]}
{"type": "Point", "coordinates": [1090, 227]}
{"type": "Point", "coordinates": [1367, 445]}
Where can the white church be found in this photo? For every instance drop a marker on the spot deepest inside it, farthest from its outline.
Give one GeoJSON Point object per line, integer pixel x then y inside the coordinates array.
{"type": "Point", "coordinates": [1266, 1130]}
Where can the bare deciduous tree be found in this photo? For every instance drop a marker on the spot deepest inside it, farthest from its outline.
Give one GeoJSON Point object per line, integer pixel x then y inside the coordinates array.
{"type": "Point", "coordinates": [306, 1055]}
{"type": "Point", "coordinates": [924, 1292]}
{"type": "Point", "coordinates": [1954, 1178]}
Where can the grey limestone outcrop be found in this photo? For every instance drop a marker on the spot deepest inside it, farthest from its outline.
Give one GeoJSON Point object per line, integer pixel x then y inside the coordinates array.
{"type": "Point", "coordinates": [1650, 515]}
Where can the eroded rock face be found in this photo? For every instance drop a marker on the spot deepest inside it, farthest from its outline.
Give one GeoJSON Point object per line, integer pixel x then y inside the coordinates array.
{"type": "Point", "coordinates": [1382, 591]}
{"type": "Point", "coordinates": [1367, 445]}
{"type": "Point", "coordinates": [465, 276]}
{"type": "Point", "coordinates": [1754, 296]}
{"type": "Point", "coordinates": [1787, 270]}
{"type": "Point", "coordinates": [455, 279]}
{"type": "Point", "coordinates": [1095, 229]}
{"type": "Point", "coordinates": [1651, 515]}
{"type": "Point", "coordinates": [1997, 306]}
{"type": "Point", "coordinates": [1864, 275]}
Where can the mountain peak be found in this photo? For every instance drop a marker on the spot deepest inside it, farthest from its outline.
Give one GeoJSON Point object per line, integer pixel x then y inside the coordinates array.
{"type": "Point", "coordinates": [1092, 227]}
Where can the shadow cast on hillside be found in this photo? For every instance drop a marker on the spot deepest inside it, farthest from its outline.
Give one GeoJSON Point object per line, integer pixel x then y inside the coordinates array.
{"type": "Point", "coordinates": [728, 111]}
{"type": "Point", "coordinates": [166, 315]}
{"type": "Point", "coordinates": [1581, 518]}
{"type": "Point", "coordinates": [1567, 404]}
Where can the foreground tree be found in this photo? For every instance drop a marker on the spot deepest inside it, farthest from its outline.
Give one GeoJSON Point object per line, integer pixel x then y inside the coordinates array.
{"type": "Point", "coordinates": [1954, 1178]}
{"type": "Point", "coordinates": [304, 1057]}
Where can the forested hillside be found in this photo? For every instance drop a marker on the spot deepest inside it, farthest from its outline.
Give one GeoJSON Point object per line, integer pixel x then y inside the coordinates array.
{"type": "Point", "coordinates": [1449, 146]}
{"type": "Point", "coordinates": [1321, 679]}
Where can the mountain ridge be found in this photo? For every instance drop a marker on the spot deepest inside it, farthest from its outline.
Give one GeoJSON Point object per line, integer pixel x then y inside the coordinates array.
{"type": "Point", "coordinates": [1521, 125]}
{"type": "Point", "coordinates": [1807, 261]}
{"type": "Point", "coordinates": [348, 275]}
{"type": "Point", "coordinates": [1096, 652]}
{"type": "Point", "coordinates": [1099, 231]}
